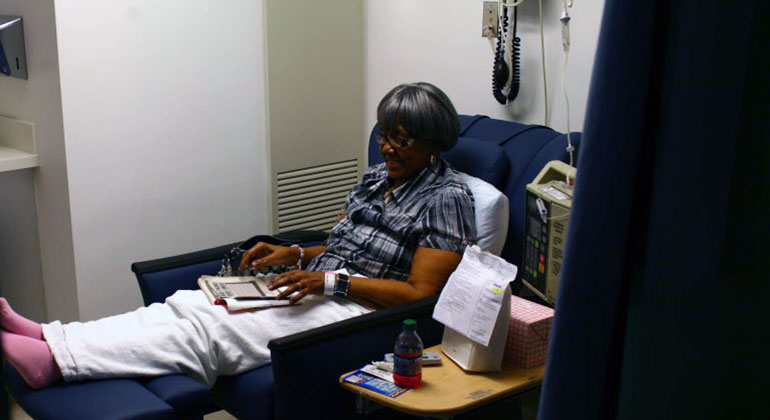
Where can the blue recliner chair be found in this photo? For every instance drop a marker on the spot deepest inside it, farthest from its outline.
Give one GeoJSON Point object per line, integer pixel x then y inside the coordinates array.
{"type": "Point", "coordinates": [508, 155]}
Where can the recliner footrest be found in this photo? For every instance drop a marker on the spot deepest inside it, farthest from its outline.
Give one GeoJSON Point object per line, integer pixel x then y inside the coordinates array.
{"type": "Point", "coordinates": [183, 393]}
{"type": "Point", "coordinates": [113, 399]}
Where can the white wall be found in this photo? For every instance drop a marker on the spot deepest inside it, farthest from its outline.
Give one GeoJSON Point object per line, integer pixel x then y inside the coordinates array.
{"type": "Point", "coordinates": [440, 41]}
{"type": "Point", "coordinates": [21, 277]}
{"type": "Point", "coordinates": [164, 112]}
{"type": "Point", "coordinates": [36, 256]}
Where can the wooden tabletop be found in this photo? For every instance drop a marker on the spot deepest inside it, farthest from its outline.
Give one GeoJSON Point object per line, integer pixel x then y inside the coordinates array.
{"type": "Point", "coordinates": [447, 390]}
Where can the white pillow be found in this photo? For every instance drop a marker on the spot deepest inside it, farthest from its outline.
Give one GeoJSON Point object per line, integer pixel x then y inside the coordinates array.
{"type": "Point", "coordinates": [491, 208]}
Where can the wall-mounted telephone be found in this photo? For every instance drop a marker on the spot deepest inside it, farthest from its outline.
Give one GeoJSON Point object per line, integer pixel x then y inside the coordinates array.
{"type": "Point", "coordinates": [501, 73]}
{"type": "Point", "coordinates": [13, 60]}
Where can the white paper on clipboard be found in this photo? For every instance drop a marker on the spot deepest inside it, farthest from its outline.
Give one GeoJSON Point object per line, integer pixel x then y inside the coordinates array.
{"type": "Point", "coordinates": [471, 299]}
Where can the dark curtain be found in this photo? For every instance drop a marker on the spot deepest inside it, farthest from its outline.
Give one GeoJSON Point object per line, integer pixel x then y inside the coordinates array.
{"type": "Point", "coordinates": [4, 399]}
{"type": "Point", "coordinates": [662, 310]}
{"type": "Point", "coordinates": [4, 402]}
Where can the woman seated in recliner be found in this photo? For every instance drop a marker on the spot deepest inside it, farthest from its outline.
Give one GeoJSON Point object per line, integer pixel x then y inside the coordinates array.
{"type": "Point", "coordinates": [405, 227]}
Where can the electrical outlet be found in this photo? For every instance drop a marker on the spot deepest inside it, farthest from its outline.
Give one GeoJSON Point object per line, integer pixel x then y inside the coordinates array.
{"type": "Point", "coordinates": [489, 19]}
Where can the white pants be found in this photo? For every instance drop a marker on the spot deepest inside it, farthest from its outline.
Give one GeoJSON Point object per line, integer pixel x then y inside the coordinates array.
{"type": "Point", "coordinates": [186, 335]}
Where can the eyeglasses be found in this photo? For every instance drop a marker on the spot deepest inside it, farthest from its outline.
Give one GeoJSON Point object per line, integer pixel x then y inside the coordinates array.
{"type": "Point", "coordinates": [394, 142]}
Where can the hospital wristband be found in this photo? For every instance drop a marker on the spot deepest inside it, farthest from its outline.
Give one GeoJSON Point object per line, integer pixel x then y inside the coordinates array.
{"type": "Point", "coordinates": [330, 280]}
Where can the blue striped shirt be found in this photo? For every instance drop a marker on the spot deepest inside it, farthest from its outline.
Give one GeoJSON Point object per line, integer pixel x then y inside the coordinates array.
{"type": "Point", "coordinates": [378, 236]}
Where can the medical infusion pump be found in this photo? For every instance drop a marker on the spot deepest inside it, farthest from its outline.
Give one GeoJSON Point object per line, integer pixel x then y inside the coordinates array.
{"type": "Point", "coordinates": [548, 203]}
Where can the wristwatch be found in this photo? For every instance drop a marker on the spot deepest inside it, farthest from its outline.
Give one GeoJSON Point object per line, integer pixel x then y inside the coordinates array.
{"type": "Point", "coordinates": [342, 285]}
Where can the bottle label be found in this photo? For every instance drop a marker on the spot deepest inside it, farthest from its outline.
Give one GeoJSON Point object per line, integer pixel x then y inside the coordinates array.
{"type": "Point", "coordinates": [407, 364]}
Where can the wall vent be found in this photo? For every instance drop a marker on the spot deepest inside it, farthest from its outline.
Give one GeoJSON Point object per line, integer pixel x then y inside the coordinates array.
{"type": "Point", "coordinates": [311, 198]}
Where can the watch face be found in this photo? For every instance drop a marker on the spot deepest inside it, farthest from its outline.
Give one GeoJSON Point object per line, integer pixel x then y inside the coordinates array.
{"type": "Point", "coordinates": [341, 287]}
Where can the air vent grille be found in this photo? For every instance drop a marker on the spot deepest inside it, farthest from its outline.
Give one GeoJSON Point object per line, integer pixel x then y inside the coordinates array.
{"type": "Point", "coordinates": [311, 198]}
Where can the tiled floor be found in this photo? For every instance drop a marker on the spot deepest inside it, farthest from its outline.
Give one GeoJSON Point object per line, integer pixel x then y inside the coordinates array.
{"type": "Point", "coordinates": [219, 415]}
{"type": "Point", "coordinates": [17, 413]}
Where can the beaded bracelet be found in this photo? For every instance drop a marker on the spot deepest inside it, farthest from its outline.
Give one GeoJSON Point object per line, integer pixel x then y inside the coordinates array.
{"type": "Point", "coordinates": [298, 266]}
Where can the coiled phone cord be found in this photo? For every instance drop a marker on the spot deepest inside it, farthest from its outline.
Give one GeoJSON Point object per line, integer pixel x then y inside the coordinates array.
{"type": "Point", "coordinates": [500, 68]}
{"type": "Point", "coordinates": [500, 71]}
{"type": "Point", "coordinates": [515, 58]}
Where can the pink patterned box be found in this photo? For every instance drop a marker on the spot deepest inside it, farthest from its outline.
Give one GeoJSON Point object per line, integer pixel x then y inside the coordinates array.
{"type": "Point", "coordinates": [528, 332]}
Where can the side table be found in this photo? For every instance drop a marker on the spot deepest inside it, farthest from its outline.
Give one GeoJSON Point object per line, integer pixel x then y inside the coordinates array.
{"type": "Point", "coordinates": [447, 390]}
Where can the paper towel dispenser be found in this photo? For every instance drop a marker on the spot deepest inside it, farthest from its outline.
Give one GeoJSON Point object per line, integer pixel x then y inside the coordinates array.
{"type": "Point", "coordinates": [13, 59]}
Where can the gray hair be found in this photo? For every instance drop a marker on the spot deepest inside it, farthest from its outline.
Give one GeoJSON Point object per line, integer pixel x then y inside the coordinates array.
{"type": "Point", "coordinates": [423, 110]}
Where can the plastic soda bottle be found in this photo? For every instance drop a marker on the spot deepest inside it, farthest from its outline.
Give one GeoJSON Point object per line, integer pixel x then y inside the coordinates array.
{"type": "Point", "coordinates": [407, 357]}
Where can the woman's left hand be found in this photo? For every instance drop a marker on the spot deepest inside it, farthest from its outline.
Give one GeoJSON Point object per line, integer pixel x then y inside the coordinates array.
{"type": "Point", "coordinates": [300, 281]}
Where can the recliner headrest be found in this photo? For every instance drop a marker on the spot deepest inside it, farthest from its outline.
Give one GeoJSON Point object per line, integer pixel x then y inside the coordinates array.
{"type": "Point", "coordinates": [478, 158]}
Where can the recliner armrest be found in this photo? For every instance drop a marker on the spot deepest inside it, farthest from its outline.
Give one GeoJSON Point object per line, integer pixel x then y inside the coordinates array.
{"type": "Point", "coordinates": [160, 278]}
{"type": "Point", "coordinates": [160, 264]}
{"type": "Point", "coordinates": [183, 260]}
{"type": "Point", "coordinates": [311, 362]}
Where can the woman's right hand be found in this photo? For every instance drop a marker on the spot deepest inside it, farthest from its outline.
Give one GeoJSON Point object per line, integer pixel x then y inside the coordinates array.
{"type": "Point", "coordinates": [263, 254]}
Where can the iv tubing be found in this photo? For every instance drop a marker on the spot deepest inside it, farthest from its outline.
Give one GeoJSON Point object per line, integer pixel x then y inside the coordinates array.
{"type": "Point", "coordinates": [514, 4]}
{"type": "Point", "coordinates": [570, 148]}
{"type": "Point", "coordinates": [542, 55]}
{"type": "Point", "coordinates": [565, 44]}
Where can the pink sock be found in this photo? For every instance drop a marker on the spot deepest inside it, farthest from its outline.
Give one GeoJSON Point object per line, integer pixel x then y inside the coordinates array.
{"type": "Point", "coordinates": [17, 324]}
{"type": "Point", "coordinates": [31, 358]}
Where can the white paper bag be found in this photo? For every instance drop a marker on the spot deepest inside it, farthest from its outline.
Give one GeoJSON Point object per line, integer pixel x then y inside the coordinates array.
{"type": "Point", "coordinates": [471, 355]}
{"type": "Point", "coordinates": [475, 308]}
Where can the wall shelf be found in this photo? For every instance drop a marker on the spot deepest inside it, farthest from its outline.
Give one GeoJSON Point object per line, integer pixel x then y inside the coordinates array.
{"type": "Point", "coordinates": [18, 148]}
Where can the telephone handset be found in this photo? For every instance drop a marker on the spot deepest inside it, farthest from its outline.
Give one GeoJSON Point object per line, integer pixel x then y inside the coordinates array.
{"type": "Point", "coordinates": [500, 72]}
{"type": "Point", "coordinates": [4, 67]}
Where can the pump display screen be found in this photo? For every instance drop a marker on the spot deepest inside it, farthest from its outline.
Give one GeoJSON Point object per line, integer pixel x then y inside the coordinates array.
{"type": "Point", "coordinates": [535, 245]}
{"type": "Point", "coordinates": [534, 226]}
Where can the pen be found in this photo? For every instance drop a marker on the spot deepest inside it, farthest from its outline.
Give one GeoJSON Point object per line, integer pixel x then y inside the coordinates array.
{"type": "Point", "coordinates": [255, 298]}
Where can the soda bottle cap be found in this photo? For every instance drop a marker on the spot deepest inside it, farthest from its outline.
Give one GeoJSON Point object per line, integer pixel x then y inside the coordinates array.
{"type": "Point", "coordinates": [410, 325]}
